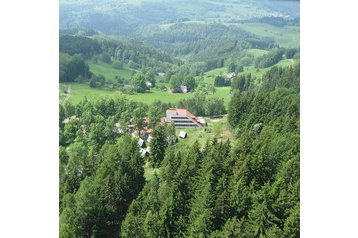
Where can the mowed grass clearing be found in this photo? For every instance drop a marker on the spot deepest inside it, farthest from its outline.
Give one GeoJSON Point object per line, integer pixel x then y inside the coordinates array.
{"type": "Point", "coordinates": [81, 90]}
{"type": "Point", "coordinates": [287, 36]}
{"type": "Point", "coordinates": [109, 72]}
{"type": "Point", "coordinates": [255, 52]}
{"type": "Point", "coordinates": [216, 127]}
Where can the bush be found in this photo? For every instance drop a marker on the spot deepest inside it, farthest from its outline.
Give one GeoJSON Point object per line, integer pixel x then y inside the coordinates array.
{"type": "Point", "coordinates": [97, 81]}
{"type": "Point", "coordinates": [117, 65]}
{"type": "Point", "coordinates": [106, 58]}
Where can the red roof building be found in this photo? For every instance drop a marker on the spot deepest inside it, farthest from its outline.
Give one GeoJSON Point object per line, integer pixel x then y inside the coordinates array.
{"type": "Point", "coordinates": [182, 118]}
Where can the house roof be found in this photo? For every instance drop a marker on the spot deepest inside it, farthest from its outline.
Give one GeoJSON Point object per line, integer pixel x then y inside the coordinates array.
{"type": "Point", "coordinates": [140, 142]}
{"type": "Point", "coordinates": [182, 134]}
{"type": "Point", "coordinates": [181, 111]}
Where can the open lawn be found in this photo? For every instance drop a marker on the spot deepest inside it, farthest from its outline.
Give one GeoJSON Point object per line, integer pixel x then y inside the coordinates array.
{"type": "Point", "coordinates": [217, 127]}
{"type": "Point", "coordinates": [81, 90]}
{"type": "Point", "coordinates": [288, 36]}
{"type": "Point", "coordinates": [108, 71]}
{"type": "Point", "coordinates": [255, 52]}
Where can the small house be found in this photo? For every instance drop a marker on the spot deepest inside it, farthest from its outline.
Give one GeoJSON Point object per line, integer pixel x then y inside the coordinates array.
{"type": "Point", "coordinates": [149, 84]}
{"type": "Point", "coordinates": [143, 152]}
{"type": "Point", "coordinates": [230, 75]}
{"type": "Point", "coordinates": [183, 89]}
{"type": "Point", "coordinates": [141, 143]}
{"type": "Point", "coordinates": [183, 134]}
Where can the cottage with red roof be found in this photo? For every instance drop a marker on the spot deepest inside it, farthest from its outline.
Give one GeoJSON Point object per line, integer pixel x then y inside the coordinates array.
{"type": "Point", "coordinates": [182, 118]}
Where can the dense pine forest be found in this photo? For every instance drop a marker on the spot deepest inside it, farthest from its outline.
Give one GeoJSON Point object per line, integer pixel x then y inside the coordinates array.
{"type": "Point", "coordinates": [124, 172]}
{"type": "Point", "coordinates": [248, 188]}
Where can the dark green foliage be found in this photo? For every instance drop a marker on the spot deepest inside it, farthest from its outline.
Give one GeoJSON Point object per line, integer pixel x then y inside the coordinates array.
{"type": "Point", "coordinates": [282, 77]}
{"type": "Point", "coordinates": [97, 81]}
{"type": "Point", "coordinates": [248, 187]}
{"type": "Point", "coordinates": [195, 105]}
{"type": "Point", "coordinates": [199, 105]}
{"type": "Point", "coordinates": [117, 65]}
{"type": "Point", "coordinates": [135, 55]}
{"type": "Point", "coordinates": [267, 60]}
{"type": "Point", "coordinates": [221, 81]}
{"type": "Point", "coordinates": [138, 115]}
{"type": "Point", "coordinates": [106, 58]}
{"type": "Point", "coordinates": [275, 21]}
{"type": "Point", "coordinates": [202, 41]}
{"type": "Point", "coordinates": [242, 82]}
{"type": "Point", "coordinates": [72, 67]}
{"type": "Point", "coordinates": [279, 108]}
{"type": "Point", "coordinates": [214, 107]}
{"type": "Point", "coordinates": [156, 111]}
{"type": "Point", "coordinates": [158, 145]}
{"type": "Point", "coordinates": [100, 204]}
{"type": "Point", "coordinates": [150, 77]}
{"type": "Point", "coordinates": [290, 53]}
{"type": "Point", "coordinates": [78, 45]}
{"type": "Point", "coordinates": [176, 81]}
{"type": "Point", "coordinates": [251, 190]}
{"type": "Point", "coordinates": [139, 83]}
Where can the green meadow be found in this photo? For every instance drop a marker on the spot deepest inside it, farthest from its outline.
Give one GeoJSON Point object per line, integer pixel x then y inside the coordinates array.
{"type": "Point", "coordinates": [216, 128]}
{"type": "Point", "coordinates": [287, 36]}
{"type": "Point", "coordinates": [109, 72]}
{"type": "Point", "coordinates": [81, 90]}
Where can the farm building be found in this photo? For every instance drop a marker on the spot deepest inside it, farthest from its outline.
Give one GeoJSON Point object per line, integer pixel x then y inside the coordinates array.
{"type": "Point", "coordinates": [182, 118]}
{"type": "Point", "coordinates": [141, 143]}
{"type": "Point", "coordinates": [143, 152]}
{"type": "Point", "coordinates": [230, 75]}
{"type": "Point", "coordinates": [182, 134]}
{"type": "Point", "coordinates": [149, 84]}
{"type": "Point", "coordinates": [183, 89]}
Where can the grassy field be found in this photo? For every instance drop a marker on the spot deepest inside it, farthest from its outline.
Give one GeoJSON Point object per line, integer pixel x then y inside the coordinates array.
{"type": "Point", "coordinates": [109, 72]}
{"type": "Point", "coordinates": [288, 36]}
{"type": "Point", "coordinates": [255, 52]}
{"type": "Point", "coordinates": [217, 127]}
{"type": "Point", "coordinates": [258, 73]}
{"type": "Point", "coordinates": [81, 90]}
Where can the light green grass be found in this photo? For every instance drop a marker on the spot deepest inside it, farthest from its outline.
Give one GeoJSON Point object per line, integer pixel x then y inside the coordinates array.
{"type": "Point", "coordinates": [286, 62]}
{"type": "Point", "coordinates": [287, 36]}
{"type": "Point", "coordinates": [217, 127]}
{"type": "Point", "coordinates": [109, 72]}
{"type": "Point", "coordinates": [149, 171]}
{"type": "Point", "coordinates": [81, 90]}
{"type": "Point", "coordinates": [255, 52]}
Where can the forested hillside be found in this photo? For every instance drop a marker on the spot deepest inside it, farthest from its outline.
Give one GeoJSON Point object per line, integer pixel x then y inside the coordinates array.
{"type": "Point", "coordinates": [125, 17]}
{"type": "Point", "coordinates": [125, 171]}
{"type": "Point", "coordinates": [248, 188]}
{"type": "Point", "coordinates": [201, 41]}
